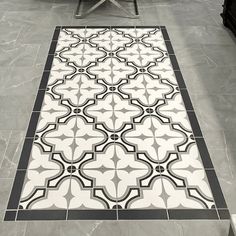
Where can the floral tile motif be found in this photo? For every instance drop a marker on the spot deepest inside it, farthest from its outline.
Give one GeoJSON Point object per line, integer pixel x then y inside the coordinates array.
{"type": "Point", "coordinates": [112, 130]}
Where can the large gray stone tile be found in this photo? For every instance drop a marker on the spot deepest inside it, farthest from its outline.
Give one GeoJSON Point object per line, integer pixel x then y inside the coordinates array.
{"type": "Point", "coordinates": [18, 55]}
{"type": "Point", "coordinates": [182, 14]}
{"type": "Point", "coordinates": [191, 56]}
{"type": "Point", "coordinates": [232, 159]}
{"type": "Point", "coordinates": [5, 189]}
{"type": "Point", "coordinates": [194, 228]}
{"type": "Point", "coordinates": [1, 216]}
{"type": "Point", "coordinates": [14, 120]}
{"type": "Point", "coordinates": [4, 139]}
{"type": "Point", "coordinates": [205, 34]}
{"type": "Point", "coordinates": [65, 6]}
{"type": "Point", "coordinates": [42, 54]}
{"type": "Point", "coordinates": [215, 112]}
{"type": "Point", "coordinates": [12, 228]}
{"type": "Point", "coordinates": [9, 31]}
{"type": "Point", "coordinates": [13, 150]}
{"type": "Point", "coordinates": [48, 18]}
{"type": "Point", "coordinates": [205, 80]}
{"type": "Point", "coordinates": [228, 185]}
{"type": "Point", "coordinates": [25, 5]}
{"type": "Point", "coordinates": [35, 35]}
{"type": "Point", "coordinates": [215, 139]}
{"type": "Point", "coordinates": [19, 103]}
{"type": "Point", "coordinates": [4, 72]}
{"type": "Point", "coordinates": [230, 136]}
{"type": "Point", "coordinates": [18, 81]}
{"type": "Point", "coordinates": [7, 172]}
{"type": "Point", "coordinates": [221, 55]}
{"type": "Point", "coordinates": [127, 228]}
{"type": "Point", "coordinates": [221, 162]}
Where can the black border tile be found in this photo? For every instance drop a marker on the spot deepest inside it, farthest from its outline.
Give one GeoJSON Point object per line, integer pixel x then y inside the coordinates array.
{"type": "Point", "coordinates": [169, 48]}
{"type": "Point", "coordinates": [16, 189]}
{"type": "Point", "coordinates": [165, 34]}
{"type": "Point", "coordinates": [148, 27]}
{"type": "Point", "coordinates": [32, 124]}
{"type": "Point", "coordinates": [216, 189]}
{"type": "Point", "coordinates": [186, 214]}
{"type": "Point", "coordinates": [186, 99]}
{"type": "Point", "coordinates": [205, 156]}
{"type": "Point", "coordinates": [52, 48]}
{"type": "Point", "coordinates": [56, 33]}
{"type": "Point", "coordinates": [10, 216]}
{"type": "Point", "coordinates": [25, 154]}
{"type": "Point", "coordinates": [41, 215]}
{"type": "Point", "coordinates": [224, 214]}
{"type": "Point", "coordinates": [150, 214]}
{"type": "Point", "coordinates": [119, 27]}
{"type": "Point", "coordinates": [44, 80]}
{"type": "Point", "coordinates": [194, 123]}
{"type": "Point", "coordinates": [39, 100]}
{"type": "Point", "coordinates": [174, 62]}
{"type": "Point", "coordinates": [92, 215]}
{"type": "Point", "coordinates": [180, 79]}
{"type": "Point", "coordinates": [49, 61]}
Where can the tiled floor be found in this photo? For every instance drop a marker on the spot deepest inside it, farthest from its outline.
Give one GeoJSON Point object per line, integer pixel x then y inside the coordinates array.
{"type": "Point", "coordinates": [206, 53]}
{"type": "Point", "coordinates": [113, 130]}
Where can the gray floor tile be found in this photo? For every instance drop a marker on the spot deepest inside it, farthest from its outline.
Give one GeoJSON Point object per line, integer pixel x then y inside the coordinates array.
{"type": "Point", "coordinates": [100, 228]}
{"type": "Point", "coordinates": [232, 159]}
{"type": "Point", "coordinates": [210, 227]}
{"type": "Point", "coordinates": [5, 189]}
{"type": "Point", "coordinates": [12, 228]}
{"type": "Point", "coordinates": [127, 228]}
{"type": "Point", "coordinates": [48, 18]}
{"type": "Point", "coordinates": [9, 31]}
{"type": "Point", "coordinates": [7, 172]}
{"type": "Point", "coordinates": [1, 216]}
{"type": "Point", "coordinates": [14, 120]}
{"type": "Point", "coordinates": [205, 80]}
{"type": "Point", "coordinates": [228, 185]}
{"type": "Point", "coordinates": [215, 139]}
{"type": "Point", "coordinates": [191, 56]}
{"type": "Point", "coordinates": [230, 136]}
{"type": "Point", "coordinates": [221, 55]}
{"type": "Point", "coordinates": [19, 81]}
{"type": "Point", "coordinates": [65, 6]}
{"type": "Point", "coordinates": [42, 54]}
{"type": "Point", "coordinates": [12, 103]}
{"type": "Point", "coordinates": [173, 16]}
{"type": "Point", "coordinates": [18, 55]}
{"type": "Point", "coordinates": [221, 162]}
{"type": "Point", "coordinates": [4, 139]}
{"type": "Point", "coordinates": [13, 150]}
{"type": "Point", "coordinates": [25, 6]}
{"type": "Point", "coordinates": [220, 109]}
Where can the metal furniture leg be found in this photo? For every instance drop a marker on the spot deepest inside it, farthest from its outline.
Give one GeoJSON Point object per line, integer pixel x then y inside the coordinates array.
{"type": "Point", "coordinates": [123, 9]}
{"type": "Point", "coordinates": [80, 14]}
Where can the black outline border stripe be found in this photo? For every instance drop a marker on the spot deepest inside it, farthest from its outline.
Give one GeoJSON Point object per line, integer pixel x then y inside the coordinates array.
{"type": "Point", "coordinates": [12, 212]}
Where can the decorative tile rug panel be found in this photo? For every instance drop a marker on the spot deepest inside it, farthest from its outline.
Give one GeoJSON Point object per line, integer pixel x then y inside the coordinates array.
{"type": "Point", "coordinates": [113, 134]}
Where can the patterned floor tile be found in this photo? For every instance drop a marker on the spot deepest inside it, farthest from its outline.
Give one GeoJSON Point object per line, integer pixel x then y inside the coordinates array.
{"type": "Point", "coordinates": [113, 133]}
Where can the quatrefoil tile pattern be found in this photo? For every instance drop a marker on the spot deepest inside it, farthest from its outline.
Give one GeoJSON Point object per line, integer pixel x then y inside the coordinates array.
{"type": "Point", "coordinates": [113, 131]}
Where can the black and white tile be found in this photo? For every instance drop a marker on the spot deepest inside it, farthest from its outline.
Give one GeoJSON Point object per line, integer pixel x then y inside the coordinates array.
{"type": "Point", "coordinates": [113, 131]}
